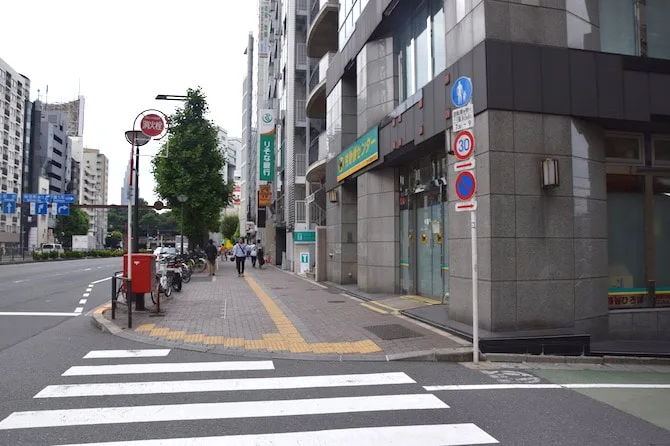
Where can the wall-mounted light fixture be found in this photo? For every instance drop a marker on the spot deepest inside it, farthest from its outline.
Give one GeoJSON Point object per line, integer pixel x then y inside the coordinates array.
{"type": "Point", "coordinates": [332, 196]}
{"type": "Point", "coordinates": [550, 172]}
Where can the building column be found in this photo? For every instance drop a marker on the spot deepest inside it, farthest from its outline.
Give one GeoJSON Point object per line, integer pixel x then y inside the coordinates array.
{"type": "Point", "coordinates": [342, 228]}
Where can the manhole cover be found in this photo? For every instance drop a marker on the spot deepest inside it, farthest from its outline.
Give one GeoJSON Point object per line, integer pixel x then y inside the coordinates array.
{"type": "Point", "coordinates": [392, 331]}
{"type": "Point", "coordinates": [336, 301]}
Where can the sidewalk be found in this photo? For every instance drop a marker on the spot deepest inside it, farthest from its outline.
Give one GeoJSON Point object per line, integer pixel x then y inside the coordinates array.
{"type": "Point", "coordinates": [273, 313]}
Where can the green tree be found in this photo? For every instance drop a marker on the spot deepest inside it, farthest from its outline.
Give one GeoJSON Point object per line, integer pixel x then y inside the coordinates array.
{"type": "Point", "coordinates": [229, 225]}
{"type": "Point", "coordinates": [149, 223]}
{"type": "Point", "coordinates": [117, 219]}
{"type": "Point", "coordinates": [168, 223]}
{"type": "Point", "coordinates": [68, 225]}
{"type": "Point", "coordinates": [190, 164]}
{"type": "Point", "coordinates": [114, 239]}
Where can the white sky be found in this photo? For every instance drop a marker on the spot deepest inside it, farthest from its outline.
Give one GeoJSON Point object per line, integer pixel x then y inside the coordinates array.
{"type": "Point", "coordinates": [120, 54]}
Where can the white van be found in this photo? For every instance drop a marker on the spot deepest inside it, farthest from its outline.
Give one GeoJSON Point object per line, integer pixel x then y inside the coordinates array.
{"type": "Point", "coordinates": [49, 247]}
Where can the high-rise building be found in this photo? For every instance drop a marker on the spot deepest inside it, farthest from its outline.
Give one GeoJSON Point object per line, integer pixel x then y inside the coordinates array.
{"type": "Point", "coordinates": [127, 192]}
{"type": "Point", "coordinates": [229, 148]}
{"type": "Point", "coordinates": [95, 180]}
{"type": "Point", "coordinates": [248, 155]}
{"type": "Point", "coordinates": [75, 115]}
{"type": "Point", "coordinates": [14, 96]}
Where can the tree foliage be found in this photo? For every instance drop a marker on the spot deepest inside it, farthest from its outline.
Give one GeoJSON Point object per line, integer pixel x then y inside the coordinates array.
{"type": "Point", "coordinates": [190, 164]}
{"type": "Point", "coordinates": [151, 222]}
{"type": "Point", "coordinates": [229, 225]}
{"type": "Point", "coordinates": [68, 225]}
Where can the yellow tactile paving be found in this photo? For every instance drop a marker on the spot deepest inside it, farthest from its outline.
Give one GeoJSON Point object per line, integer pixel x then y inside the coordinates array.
{"type": "Point", "coordinates": [288, 338]}
{"type": "Point", "coordinates": [425, 300]}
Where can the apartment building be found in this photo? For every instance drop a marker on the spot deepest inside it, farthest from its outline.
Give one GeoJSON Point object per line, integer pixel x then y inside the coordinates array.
{"type": "Point", "coordinates": [95, 181]}
{"type": "Point", "coordinates": [579, 88]}
{"type": "Point", "coordinates": [14, 95]}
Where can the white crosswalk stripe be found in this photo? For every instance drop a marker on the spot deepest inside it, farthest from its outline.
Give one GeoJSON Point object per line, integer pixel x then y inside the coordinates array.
{"type": "Point", "coordinates": [85, 413]}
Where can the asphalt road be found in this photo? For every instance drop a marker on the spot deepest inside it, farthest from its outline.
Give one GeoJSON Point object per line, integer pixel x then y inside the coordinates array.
{"type": "Point", "coordinates": [37, 296]}
{"type": "Point", "coordinates": [60, 386]}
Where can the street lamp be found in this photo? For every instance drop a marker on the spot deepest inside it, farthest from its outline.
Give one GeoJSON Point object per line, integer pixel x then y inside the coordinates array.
{"type": "Point", "coordinates": [171, 97]}
{"type": "Point", "coordinates": [182, 199]}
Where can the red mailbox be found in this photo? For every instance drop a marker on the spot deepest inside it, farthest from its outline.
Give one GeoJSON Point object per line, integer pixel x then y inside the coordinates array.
{"type": "Point", "coordinates": [144, 272]}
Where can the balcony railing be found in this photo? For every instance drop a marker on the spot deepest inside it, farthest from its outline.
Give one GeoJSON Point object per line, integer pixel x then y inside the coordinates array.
{"type": "Point", "coordinates": [300, 212]}
{"type": "Point", "coordinates": [300, 115]}
{"type": "Point", "coordinates": [319, 72]}
{"type": "Point", "coordinates": [317, 149]}
{"type": "Point", "coordinates": [300, 164]}
{"type": "Point", "coordinates": [301, 54]}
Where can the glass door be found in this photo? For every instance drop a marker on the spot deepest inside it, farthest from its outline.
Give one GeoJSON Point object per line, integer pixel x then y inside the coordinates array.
{"type": "Point", "coordinates": [429, 244]}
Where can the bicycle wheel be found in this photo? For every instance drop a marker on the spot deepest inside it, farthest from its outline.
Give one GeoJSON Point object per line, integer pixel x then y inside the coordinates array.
{"type": "Point", "coordinates": [200, 266]}
{"type": "Point", "coordinates": [121, 292]}
{"type": "Point", "coordinates": [185, 275]}
{"type": "Point", "coordinates": [167, 290]}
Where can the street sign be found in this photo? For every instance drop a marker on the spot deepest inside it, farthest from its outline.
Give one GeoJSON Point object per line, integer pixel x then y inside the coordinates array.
{"type": "Point", "coordinates": [8, 197]}
{"type": "Point", "coordinates": [466, 206]}
{"type": "Point", "coordinates": [152, 125]}
{"type": "Point", "coordinates": [304, 236]}
{"type": "Point", "coordinates": [461, 92]}
{"type": "Point", "coordinates": [61, 208]}
{"type": "Point", "coordinates": [464, 145]}
{"type": "Point", "coordinates": [9, 207]}
{"type": "Point", "coordinates": [44, 198]}
{"type": "Point", "coordinates": [41, 208]}
{"type": "Point", "coordinates": [466, 185]}
{"type": "Point", "coordinates": [29, 198]}
{"type": "Point", "coordinates": [304, 262]}
{"type": "Point", "coordinates": [460, 166]}
{"type": "Point", "coordinates": [63, 198]}
{"type": "Point", "coordinates": [463, 118]}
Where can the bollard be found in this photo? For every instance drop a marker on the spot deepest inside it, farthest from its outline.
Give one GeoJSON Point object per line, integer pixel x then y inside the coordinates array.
{"type": "Point", "coordinates": [114, 297]}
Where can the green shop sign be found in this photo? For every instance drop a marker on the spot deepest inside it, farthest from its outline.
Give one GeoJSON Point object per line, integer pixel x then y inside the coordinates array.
{"type": "Point", "coordinates": [361, 153]}
{"type": "Point", "coordinates": [304, 236]}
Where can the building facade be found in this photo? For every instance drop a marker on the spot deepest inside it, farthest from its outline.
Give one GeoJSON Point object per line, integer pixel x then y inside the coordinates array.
{"type": "Point", "coordinates": [14, 95]}
{"type": "Point", "coordinates": [583, 85]}
{"type": "Point", "coordinates": [95, 180]}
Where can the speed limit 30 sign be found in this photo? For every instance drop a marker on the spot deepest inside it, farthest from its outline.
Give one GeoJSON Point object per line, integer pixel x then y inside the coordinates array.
{"type": "Point", "coordinates": [464, 145]}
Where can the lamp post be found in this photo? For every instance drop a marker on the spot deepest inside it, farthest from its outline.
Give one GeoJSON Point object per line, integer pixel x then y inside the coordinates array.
{"type": "Point", "coordinates": [182, 199]}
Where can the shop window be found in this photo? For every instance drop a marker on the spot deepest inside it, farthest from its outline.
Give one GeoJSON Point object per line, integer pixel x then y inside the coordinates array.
{"type": "Point", "coordinates": [661, 151]}
{"type": "Point", "coordinates": [658, 33]}
{"type": "Point", "coordinates": [618, 27]}
{"type": "Point", "coordinates": [661, 216]}
{"type": "Point", "coordinates": [623, 148]}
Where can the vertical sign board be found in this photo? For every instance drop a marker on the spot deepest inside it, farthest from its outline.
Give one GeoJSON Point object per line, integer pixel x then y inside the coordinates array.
{"type": "Point", "coordinates": [264, 196]}
{"type": "Point", "coordinates": [463, 119]}
{"type": "Point", "coordinates": [304, 262]}
{"type": "Point", "coordinates": [267, 145]}
{"type": "Point", "coordinates": [264, 18]}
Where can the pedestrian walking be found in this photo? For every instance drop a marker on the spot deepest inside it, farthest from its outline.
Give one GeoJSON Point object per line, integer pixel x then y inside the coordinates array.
{"type": "Point", "coordinates": [211, 252]}
{"type": "Point", "coordinates": [253, 253]}
{"type": "Point", "coordinates": [260, 253]}
{"type": "Point", "coordinates": [240, 253]}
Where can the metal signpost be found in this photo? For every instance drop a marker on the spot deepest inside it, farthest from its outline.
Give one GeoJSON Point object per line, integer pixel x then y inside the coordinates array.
{"type": "Point", "coordinates": [463, 119]}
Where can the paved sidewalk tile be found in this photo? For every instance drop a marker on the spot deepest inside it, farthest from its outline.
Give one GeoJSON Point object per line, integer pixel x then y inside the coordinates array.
{"type": "Point", "coordinates": [273, 311]}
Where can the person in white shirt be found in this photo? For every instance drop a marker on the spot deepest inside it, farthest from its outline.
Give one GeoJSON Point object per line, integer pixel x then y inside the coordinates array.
{"type": "Point", "coordinates": [253, 254]}
{"type": "Point", "coordinates": [240, 253]}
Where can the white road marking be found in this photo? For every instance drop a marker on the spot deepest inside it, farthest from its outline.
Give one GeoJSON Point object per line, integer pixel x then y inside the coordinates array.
{"type": "Point", "coordinates": [85, 294]}
{"type": "Point", "coordinates": [223, 385]}
{"type": "Point", "coordinates": [101, 280]}
{"type": "Point", "coordinates": [169, 367]}
{"type": "Point", "coordinates": [88, 269]}
{"type": "Point", "coordinates": [425, 435]}
{"type": "Point", "coordinates": [35, 313]}
{"type": "Point", "coordinates": [82, 301]}
{"type": "Point", "coordinates": [148, 353]}
{"type": "Point", "coordinates": [89, 289]}
{"type": "Point", "coordinates": [544, 386]}
{"type": "Point", "coordinates": [79, 309]}
{"type": "Point", "coordinates": [219, 411]}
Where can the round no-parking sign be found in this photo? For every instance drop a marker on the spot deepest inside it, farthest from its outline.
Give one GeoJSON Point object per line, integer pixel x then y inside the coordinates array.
{"type": "Point", "coordinates": [464, 145]}
{"type": "Point", "coordinates": [466, 185]}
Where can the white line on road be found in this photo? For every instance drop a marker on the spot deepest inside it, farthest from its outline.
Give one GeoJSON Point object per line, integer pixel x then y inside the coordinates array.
{"type": "Point", "coordinates": [35, 313]}
{"type": "Point", "coordinates": [89, 289]}
{"type": "Point", "coordinates": [147, 353]}
{"type": "Point", "coordinates": [101, 280]}
{"type": "Point", "coordinates": [219, 411]}
{"type": "Point", "coordinates": [85, 294]}
{"type": "Point", "coordinates": [425, 435]}
{"type": "Point", "coordinates": [224, 385]}
{"type": "Point", "coordinates": [82, 301]}
{"type": "Point", "coordinates": [170, 367]}
{"type": "Point", "coordinates": [544, 386]}
{"type": "Point", "coordinates": [88, 269]}
{"type": "Point", "coordinates": [79, 309]}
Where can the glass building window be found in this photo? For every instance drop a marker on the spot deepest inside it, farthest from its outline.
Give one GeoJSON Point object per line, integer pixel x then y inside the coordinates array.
{"type": "Point", "coordinates": [618, 28]}
{"type": "Point", "coordinates": [422, 45]}
{"type": "Point", "coordinates": [623, 148]}
{"type": "Point", "coordinates": [439, 50]}
{"type": "Point", "coordinates": [657, 16]}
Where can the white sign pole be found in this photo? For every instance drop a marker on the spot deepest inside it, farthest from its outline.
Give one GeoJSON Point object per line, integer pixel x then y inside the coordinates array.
{"type": "Point", "coordinates": [475, 290]}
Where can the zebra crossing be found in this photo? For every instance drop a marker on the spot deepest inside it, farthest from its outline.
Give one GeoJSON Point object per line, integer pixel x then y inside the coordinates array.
{"type": "Point", "coordinates": [260, 376]}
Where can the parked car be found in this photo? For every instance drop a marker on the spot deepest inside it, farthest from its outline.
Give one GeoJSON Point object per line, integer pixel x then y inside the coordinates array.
{"type": "Point", "coordinates": [164, 251]}
{"type": "Point", "coordinates": [50, 247]}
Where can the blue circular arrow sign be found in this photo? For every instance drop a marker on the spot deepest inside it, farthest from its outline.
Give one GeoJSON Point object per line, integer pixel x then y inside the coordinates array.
{"type": "Point", "coordinates": [466, 186]}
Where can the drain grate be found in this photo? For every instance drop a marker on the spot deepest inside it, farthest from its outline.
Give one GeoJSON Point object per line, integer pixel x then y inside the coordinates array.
{"type": "Point", "coordinates": [390, 332]}
{"type": "Point", "coordinates": [335, 301]}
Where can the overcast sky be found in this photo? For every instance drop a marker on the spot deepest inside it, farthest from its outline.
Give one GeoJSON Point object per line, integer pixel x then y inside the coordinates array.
{"type": "Point", "coordinates": [121, 54]}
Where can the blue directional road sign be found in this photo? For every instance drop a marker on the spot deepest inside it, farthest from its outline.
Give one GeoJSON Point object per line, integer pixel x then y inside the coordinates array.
{"type": "Point", "coordinates": [461, 92]}
{"type": "Point", "coordinates": [41, 208]}
{"type": "Point", "coordinates": [30, 198]}
{"type": "Point", "coordinates": [9, 207]}
{"type": "Point", "coordinates": [44, 198]}
{"type": "Point", "coordinates": [62, 208]}
{"type": "Point", "coordinates": [63, 198]}
{"type": "Point", "coordinates": [8, 197]}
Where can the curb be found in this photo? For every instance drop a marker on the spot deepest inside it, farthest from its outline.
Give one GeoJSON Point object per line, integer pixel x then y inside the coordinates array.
{"type": "Point", "coordinates": [460, 354]}
{"type": "Point", "coordinates": [518, 358]}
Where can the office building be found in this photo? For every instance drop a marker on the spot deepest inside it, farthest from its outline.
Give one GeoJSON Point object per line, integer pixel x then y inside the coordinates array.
{"type": "Point", "coordinates": [14, 94]}
{"type": "Point", "coordinates": [127, 193]}
{"type": "Point", "coordinates": [75, 115]}
{"type": "Point", "coordinates": [95, 180]}
{"type": "Point", "coordinates": [579, 88]}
